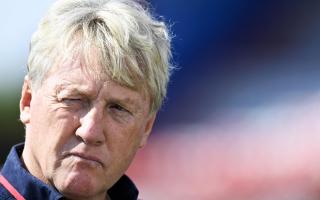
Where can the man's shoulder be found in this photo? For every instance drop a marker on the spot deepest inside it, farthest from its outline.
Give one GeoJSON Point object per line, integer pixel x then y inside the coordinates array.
{"type": "Point", "coordinates": [5, 194]}
{"type": "Point", "coordinates": [124, 188]}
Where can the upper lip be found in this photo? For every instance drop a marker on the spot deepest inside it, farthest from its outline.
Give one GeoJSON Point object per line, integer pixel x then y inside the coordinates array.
{"type": "Point", "coordinates": [85, 156]}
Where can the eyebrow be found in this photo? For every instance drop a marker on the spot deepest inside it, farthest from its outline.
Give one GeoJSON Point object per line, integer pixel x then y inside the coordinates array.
{"type": "Point", "coordinates": [72, 89]}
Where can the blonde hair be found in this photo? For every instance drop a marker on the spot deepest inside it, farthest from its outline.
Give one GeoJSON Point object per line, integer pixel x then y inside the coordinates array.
{"type": "Point", "coordinates": [129, 43]}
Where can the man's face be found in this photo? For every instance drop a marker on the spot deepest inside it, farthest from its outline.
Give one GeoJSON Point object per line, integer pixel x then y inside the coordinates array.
{"type": "Point", "coordinates": [82, 131]}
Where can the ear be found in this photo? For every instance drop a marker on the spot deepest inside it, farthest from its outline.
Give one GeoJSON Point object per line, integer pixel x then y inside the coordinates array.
{"type": "Point", "coordinates": [148, 129]}
{"type": "Point", "coordinates": [26, 96]}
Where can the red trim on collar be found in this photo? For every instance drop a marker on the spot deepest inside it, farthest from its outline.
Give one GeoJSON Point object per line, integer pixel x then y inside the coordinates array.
{"type": "Point", "coordinates": [10, 188]}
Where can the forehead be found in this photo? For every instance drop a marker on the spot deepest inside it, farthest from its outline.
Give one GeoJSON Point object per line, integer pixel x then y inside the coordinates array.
{"type": "Point", "coordinates": [75, 76]}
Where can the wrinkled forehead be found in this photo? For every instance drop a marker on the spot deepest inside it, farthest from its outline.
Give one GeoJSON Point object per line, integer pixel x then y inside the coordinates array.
{"type": "Point", "coordinates": [73, 79]}
{"type": "Point", "coordinates": [89, 65]}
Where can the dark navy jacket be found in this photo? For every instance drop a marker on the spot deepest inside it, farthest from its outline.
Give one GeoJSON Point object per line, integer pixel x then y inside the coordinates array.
{"type": "Point", "coordinates": [32, 188]}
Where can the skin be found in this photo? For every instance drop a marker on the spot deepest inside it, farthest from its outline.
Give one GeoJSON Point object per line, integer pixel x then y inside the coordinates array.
{"type": "Point", "coordinates": [82, 130]}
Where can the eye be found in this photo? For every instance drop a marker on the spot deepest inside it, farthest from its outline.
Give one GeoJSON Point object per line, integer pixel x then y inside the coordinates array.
{"type": "Point", "coordinates": [72, 101]}
{"type": "Point", "coordinates": [120, 113]}
{"type": "Point", "coordinates": [118, 107]}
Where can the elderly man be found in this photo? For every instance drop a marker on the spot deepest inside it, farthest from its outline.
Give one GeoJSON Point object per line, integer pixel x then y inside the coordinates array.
{"type": "Point", "coordinates": [98, 72]}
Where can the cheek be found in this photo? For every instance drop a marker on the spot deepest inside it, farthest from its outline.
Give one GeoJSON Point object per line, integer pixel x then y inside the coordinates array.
{"type": "Point", "coordinates": [62, 133]}
{"type": "Point", "coordinates": [124, 139]}
{"type": "Point", "coordinates": [123, 132]}
{"type": "Point", "coordinates": [51, 130]}
{"type": "Point", "coordinates": [37, 129]}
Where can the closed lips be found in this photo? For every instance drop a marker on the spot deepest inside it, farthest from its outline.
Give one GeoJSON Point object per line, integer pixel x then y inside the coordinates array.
{"type": "Point", "coordinates": [86, 157]}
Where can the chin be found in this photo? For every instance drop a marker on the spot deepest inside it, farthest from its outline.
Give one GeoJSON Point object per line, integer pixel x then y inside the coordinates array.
{"type": "Point", "coordinates": [81, 184]}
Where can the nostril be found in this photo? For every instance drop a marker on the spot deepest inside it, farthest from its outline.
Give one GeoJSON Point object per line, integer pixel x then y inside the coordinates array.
{"type": "Point", "coordinates": [79, 138]}
{"type": "Point", "coordinates": [89, 142]}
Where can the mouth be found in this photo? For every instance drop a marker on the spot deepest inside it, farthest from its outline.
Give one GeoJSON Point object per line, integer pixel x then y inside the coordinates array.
{"type": "Point", "coordinates": [85, 157]}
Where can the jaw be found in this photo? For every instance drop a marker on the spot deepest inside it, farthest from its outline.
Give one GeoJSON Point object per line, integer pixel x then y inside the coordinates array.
{"type": "Point", "coordinates": [76, 178]}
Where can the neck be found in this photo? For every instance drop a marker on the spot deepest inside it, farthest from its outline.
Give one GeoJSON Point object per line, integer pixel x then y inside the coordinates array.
{"type": "Point", "coordinates": [32, 165]}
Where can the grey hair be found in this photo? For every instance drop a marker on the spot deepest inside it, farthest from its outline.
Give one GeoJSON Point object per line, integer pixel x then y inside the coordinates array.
{"type": "Point", "coordinates": [131, 45]}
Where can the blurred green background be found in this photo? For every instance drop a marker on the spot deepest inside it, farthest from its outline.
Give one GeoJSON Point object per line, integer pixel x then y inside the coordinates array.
{"type": "Point", "coordinates": [10, 124]}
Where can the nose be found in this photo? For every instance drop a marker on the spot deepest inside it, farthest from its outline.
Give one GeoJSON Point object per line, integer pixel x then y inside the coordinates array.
{"type": "Point", "coordinates": [90, 130]}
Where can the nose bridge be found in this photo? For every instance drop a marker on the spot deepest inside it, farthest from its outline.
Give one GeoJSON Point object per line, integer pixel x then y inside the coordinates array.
{"type": "Point", "coordinates": [92, 115]}
{"type": "Point", "coordinates": [91, 126]}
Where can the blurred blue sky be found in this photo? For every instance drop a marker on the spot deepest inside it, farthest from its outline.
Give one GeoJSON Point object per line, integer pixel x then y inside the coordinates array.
{"type": "Point", "coordinates": [19, 20]}
{"type": "Point", "coordinates": [231, 54]}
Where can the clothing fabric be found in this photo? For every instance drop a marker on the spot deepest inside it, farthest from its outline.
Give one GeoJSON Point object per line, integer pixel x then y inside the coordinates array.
{"type": "Point", "coordinates": [31, 188]}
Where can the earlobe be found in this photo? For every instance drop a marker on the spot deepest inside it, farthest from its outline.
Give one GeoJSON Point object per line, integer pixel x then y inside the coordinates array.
{"type": "Point", "coordinates": [148, 129]}
{"type": "Point", "coordinates": [26, 96]}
